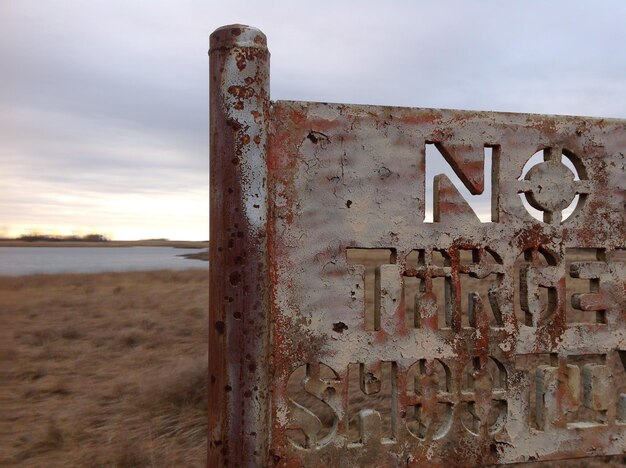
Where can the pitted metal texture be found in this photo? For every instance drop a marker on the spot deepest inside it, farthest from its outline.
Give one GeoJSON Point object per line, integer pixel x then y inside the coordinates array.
{"type": "Point", "coordinates": [350, 326]}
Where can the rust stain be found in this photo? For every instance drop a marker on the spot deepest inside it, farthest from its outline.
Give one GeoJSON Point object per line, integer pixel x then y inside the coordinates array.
{"type": "Point", "coordinates": [417, 359]}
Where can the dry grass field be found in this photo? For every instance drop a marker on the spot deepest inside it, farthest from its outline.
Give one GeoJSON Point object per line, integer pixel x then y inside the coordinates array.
{"type": "Point", "coordinates": [104, 369]}
{"type": "Point", "coordinates": [110, 369]}
{"type": "Point", "coordinates": [370, 258]}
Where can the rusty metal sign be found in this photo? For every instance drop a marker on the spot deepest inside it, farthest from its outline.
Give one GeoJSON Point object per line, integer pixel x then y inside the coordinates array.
{"type": "Point", "coordinates": [350, 326]}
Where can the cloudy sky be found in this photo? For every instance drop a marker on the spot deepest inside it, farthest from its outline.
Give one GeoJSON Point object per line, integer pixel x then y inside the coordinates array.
{"type": "Point", "coordinates": [103, 103]}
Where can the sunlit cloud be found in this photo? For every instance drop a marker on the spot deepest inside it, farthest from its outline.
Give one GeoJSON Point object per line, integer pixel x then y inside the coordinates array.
{"type": "Point", "coordinates": [103, 123]}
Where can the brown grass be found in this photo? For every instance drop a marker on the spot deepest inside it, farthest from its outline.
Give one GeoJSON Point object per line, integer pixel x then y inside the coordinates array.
{"type": "Point", "coordinates": [370, 258]}
{"type": "Point", "coordinates": [357, 400]}
{"type": "Point", "coordinates": [110, 369]}
{"type": "Point", "coordinates": [104, 369]}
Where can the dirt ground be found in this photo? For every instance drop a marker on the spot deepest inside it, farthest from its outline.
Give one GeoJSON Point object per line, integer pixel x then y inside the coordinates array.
{"type": "Point", "coordinates": [104, 369]}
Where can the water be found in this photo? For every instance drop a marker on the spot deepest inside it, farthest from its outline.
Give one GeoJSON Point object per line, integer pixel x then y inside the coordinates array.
{"type": "Point", "coordinates": [29, 260]}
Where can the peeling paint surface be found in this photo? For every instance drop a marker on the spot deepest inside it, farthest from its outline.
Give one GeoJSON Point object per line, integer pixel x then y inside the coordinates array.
{"type": "Point", "coordinates": [238, 330]}
{"type": "Point", "coordinates": [347, 331]}
{"type": "Point", "coordinates": [352, 177]}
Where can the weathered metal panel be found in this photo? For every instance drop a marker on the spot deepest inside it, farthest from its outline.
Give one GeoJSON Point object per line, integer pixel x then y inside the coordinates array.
{"type": "Point", "coordinates": [345, 177]}
{"type": "Point", "coordinates": [394, 341]}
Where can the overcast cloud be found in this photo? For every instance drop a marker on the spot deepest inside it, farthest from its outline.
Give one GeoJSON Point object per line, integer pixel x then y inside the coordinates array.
{"type": "Point", "coordinates": [103, 123]}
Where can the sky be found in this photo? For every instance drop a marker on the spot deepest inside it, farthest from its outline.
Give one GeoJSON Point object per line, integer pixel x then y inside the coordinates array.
{"type": "Point", "coordinates": [104, 103]}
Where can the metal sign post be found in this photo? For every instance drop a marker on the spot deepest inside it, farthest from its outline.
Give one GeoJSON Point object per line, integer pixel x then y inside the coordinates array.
{"type": "Point", "coordinates": [348, 330]}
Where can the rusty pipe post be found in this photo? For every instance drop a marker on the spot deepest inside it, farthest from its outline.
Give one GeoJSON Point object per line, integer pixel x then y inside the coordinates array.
{"type": "Point", "coordinates": [239, 312]}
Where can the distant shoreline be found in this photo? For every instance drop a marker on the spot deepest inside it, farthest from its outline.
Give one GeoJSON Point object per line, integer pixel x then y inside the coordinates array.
{"type": "Point", "coordinates": [202, 255]}
{"type": "Point", "coordinates": [139, 243]}
{"type": "Point", "coordinates": [19, 261]}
